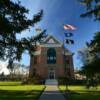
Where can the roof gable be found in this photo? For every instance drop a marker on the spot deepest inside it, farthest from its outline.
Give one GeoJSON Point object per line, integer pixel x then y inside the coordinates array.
{"type": "Point", "coordinates": [52, 40]}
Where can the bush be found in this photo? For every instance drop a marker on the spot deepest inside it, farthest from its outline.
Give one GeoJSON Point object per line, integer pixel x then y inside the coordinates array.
{"type": "Point", "coordinates": [63, 81]}
{"type": "Point", "coordinates": [35, 80]}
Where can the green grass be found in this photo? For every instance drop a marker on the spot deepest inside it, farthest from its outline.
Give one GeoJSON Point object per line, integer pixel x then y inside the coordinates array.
{"type": "Point", "coordinates": [16, 91]}
{"type": "Point", "coordinates": [10, 83]}
{"type": "Point", "coordinates": [81, 93]}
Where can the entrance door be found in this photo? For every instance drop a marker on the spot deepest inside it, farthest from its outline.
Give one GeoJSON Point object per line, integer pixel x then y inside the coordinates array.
{"type": "Point", "coordinates": [51, 74]}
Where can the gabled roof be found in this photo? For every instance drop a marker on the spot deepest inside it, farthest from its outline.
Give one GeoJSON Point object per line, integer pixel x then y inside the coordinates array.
{"type": "Point", "coordinates": [50, 39]}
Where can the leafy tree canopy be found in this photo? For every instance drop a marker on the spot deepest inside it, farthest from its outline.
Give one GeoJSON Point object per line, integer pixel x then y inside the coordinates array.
{"type": "Point", "coordinates": [13, 20]}
{"type": "Point", "coordinates": [93, 47]}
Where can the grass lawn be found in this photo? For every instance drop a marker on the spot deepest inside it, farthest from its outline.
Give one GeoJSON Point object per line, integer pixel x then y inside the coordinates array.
{"type": "Point", "coordinates": [81, 93]}
{"type": "Point", "coordinates": [16, 91]}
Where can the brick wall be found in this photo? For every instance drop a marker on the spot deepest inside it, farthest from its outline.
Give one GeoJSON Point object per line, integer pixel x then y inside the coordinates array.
{"type": "Point", "coordinates": [42, 66]}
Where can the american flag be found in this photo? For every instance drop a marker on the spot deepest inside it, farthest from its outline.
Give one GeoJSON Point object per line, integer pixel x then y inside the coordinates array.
{"type": "Point", "coordinates": [69, 27]}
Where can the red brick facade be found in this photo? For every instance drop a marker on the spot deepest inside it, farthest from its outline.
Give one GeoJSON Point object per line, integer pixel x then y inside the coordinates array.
{"type": "Point", "coordinates": [45, 70]}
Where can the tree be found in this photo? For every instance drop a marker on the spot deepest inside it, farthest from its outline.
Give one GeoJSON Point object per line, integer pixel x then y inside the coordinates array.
{"type": "Point", "coordinates": [94, 51]}
{"type": "Point", "coordinates": [86, 60]}
{"type": "Point", "coordinates": [84, 55]}
{"type": "Point", "coordinates": [91, 58]}
{"type": "Point", "coordinates": [92, 8]}
{"type": "Point", "coordinates": [91, 69]}
{"type": "Point", "coordinates": [13, 20]}
{"type": "Point", "coordinates": [94, 45]}
{"type": "Point", "coordinates": [19, 69]}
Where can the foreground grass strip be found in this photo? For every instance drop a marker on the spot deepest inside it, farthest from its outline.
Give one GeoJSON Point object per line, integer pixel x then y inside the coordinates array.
{"type": "Point", "coordinates": [20, 92]}
{"type": "Point", "coordinates": [81, 93]}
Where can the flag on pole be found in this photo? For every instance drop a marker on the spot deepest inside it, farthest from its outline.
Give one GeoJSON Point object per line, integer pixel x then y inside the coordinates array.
{"type": "Point", "coordinates": [68, 34]}
{"type": "Point", "coordinates": [69, 41]}
{"type": "Point", "coordinates": [69, 27]}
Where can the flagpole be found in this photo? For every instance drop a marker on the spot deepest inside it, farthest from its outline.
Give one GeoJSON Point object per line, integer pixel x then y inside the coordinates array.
{"type": "Point", "coordinates": [67, 27]}
{"type": "Point", "coordinates": [65, 69]}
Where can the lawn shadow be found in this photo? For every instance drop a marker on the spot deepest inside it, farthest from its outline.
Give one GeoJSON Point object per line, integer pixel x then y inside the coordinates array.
{"type": "Point", "coordinates": [19, 95]}
{"type": "Point", "coordinates": [84, 95]}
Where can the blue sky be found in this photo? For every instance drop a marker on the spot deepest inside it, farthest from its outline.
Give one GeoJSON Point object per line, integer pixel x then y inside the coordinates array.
{"type": "Point", "coordinates": [57, 13]}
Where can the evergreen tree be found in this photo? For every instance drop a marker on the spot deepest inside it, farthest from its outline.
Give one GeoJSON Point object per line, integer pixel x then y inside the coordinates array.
{"type": "Point", "coordinates": [13, 20]}
{"type": "Point", "coordinates": [92, 69]}
{"type": "Point", "coordinates": [92, 8]}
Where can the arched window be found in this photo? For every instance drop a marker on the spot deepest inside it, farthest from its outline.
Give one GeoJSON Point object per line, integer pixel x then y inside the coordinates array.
{"type": "Point", "coordinates": [51, 56]}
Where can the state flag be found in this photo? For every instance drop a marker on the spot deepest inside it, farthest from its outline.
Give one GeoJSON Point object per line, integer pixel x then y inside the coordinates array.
{"type": "Point", "coordinates": [68, 34]}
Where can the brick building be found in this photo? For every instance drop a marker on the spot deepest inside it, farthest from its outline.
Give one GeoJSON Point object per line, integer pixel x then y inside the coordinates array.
{"type": "Point", "coordinates": [50, 59]}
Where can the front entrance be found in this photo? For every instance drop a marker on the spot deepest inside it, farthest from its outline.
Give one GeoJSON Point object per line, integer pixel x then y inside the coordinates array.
{"type": "Point", "coordinates": [51, 74]}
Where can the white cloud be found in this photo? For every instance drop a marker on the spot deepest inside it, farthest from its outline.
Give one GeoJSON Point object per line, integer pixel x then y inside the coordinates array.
{"type": "Point", "coordinates": [3, 67]}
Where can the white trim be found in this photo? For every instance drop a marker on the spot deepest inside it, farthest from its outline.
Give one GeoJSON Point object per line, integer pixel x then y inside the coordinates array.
{"type": "Point", "coordinates": [58, 40]}
{"type": "Point", "coordinates": [67, 53]}
{"type": "Point", "coordinates": [51, 41]}
{"type": "Point", "coordinates": [51, 45]}
{"type": "Point", "coordinates": [53, 38]}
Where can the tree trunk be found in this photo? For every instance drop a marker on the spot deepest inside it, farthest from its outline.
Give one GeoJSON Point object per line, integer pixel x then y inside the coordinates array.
{"type": "Point", "coordinates": [31, 69]}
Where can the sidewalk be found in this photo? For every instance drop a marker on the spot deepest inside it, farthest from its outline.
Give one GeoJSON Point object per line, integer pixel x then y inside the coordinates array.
{"type": "Point", "coordinates": [51, 92]}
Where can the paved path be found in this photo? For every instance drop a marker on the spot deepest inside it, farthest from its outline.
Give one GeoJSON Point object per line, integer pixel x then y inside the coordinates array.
{"type": "Point", "coordinates": [51, 92]}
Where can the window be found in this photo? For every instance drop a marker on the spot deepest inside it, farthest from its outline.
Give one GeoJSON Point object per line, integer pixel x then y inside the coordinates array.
{"type": "Point", "coordinates": [51, 56]}
{"type": "Point", "coordinates": [34, 71]}
{"type": "Point", "coordinates": [35, 60]}
{"type": "Point", "coordinates": [67, 60]}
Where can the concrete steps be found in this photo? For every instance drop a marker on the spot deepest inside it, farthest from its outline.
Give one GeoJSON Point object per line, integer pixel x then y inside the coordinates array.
{"type": "Point", "coordinates": [51, 82]}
